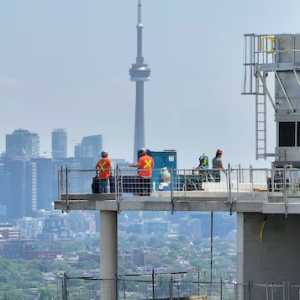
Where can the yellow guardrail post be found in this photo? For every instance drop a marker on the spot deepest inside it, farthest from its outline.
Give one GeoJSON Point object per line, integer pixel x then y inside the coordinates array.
{"type": "Point", "coordinates": [263, 40]}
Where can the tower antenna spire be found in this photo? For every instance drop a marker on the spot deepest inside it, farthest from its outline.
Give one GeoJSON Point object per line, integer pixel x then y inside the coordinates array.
{"type": "Point", "coordinates": [139, 26]}
{"type": "Point", "coordinates": [139, 12]}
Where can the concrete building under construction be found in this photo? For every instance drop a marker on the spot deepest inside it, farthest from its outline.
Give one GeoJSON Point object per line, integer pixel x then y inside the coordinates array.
{"type": "Point", "coordinates": [266, 201]}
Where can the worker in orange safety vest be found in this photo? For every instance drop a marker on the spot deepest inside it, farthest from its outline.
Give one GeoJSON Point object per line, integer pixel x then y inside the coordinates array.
{"type": "Point", "coordinates": [104, 171]}
{"type": "Point", "coordinates": [145, 166]}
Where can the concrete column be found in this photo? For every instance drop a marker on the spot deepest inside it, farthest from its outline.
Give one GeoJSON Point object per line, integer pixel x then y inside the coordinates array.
{"type": "Point", "coordinates": [108, 254]}
{"type": "Point", "coordinates": [240, 256]}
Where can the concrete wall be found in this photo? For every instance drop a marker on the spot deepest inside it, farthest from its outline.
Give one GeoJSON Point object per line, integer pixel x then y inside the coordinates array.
{"type": "Point", "coordinates": [275, 258]}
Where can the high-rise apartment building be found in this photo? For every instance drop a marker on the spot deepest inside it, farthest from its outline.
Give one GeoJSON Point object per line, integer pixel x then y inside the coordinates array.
{"type": "Point", "coordinates": [22, 143]}
{"type": "Point", "coordinates": [4, 192]}
{"type": "Point", "coordinates": [90, 147]}
{"type": "Point", "coordinates": [59, 144]}
{"type": "Point", "coordinates": [43, 175]}
{"type": "Point", "coordinates": [22, 191]}
{"type": "Point", "coordinates": [26, 186]}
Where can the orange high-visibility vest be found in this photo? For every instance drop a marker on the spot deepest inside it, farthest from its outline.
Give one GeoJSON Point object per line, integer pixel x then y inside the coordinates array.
{"type": "Point", "coordinates": [146, 164]}
{"type": "Point", "coordinates": [104, 166]}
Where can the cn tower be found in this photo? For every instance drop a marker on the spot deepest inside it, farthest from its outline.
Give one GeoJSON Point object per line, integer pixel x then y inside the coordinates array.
{"type": "Point", "coordinates": [139, 73]}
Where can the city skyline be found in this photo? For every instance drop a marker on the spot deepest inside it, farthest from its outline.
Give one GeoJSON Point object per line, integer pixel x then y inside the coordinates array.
{"type": "Point", "coordinates": [63, 62]}
{"type": "Point", "coordinates": [29, 180]}
{"type": "Point", "coordinates": [23, 143]}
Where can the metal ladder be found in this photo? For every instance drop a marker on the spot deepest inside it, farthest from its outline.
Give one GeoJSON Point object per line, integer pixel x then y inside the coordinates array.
{"type": "Point", "coordinates": [261, 122]}
{"type": "Point", "coordinates": [258, 50]}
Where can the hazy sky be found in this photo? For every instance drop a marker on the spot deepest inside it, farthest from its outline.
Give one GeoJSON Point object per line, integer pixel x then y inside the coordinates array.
{"type": "Point", "coordinates": [64, 64]}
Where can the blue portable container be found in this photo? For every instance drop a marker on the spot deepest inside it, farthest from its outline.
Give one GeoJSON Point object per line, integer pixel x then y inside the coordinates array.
{"type": "Point", "coordinates": [165, 158]}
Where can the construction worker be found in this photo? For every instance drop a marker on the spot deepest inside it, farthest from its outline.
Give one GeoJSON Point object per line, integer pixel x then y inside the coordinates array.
{"type": "Point", "coordinates": [104, 171]}
{"type": "Point", "coordinates": [203, 162]}
{"type": "Point", "coordinates": [203, 169]}
{"type": "Point", "coordinates": [145, 166]}
{"type": "Point", "coordinates": [217, 166]}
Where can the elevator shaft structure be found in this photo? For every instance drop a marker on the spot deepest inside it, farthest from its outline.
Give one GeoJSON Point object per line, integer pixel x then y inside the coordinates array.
{"type": "Point", "coordinates": [139, 73]}
{"type": "Point", "coordinates": [278, 54]}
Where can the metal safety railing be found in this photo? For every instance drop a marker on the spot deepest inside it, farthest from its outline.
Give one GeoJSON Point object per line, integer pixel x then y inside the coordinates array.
{"type": "Point", "coordinates": [266, 291]}
{"type": "Point", "coordinates": [172, 286]}
{"type": "Point", "coordinates": [258, 50]}
{"type": "Point", "coordinates": [233, 184]}
{"type": "Point", "coordinates": [147, 286]}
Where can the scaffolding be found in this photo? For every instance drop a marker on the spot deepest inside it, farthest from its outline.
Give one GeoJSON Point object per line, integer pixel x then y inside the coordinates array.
{"type": "Point", "coordinates": [279, 54]}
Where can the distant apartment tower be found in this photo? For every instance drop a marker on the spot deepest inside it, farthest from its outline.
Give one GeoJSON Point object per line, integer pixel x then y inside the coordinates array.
{"type": "Point", "coordinates": [22, 143]}
{"type": "Point", "coordinates": [22, 198]}
{"type": "Point", "coordinates": [90, 147]}
{"type": "Point", "coordinates": [59, 144]}
{"type": "Point", "coordinates": [43, 177]}
{"type": "Point", "coordinates": [4, 192]}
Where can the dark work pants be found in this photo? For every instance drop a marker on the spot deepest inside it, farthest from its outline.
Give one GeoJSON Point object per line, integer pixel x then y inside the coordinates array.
{"type": "Point", "coordinates": [143, 186]}
{"type": "Point", "coordinates": [217, 176]}
{"type": "Point", "coordinates": [104, 186]}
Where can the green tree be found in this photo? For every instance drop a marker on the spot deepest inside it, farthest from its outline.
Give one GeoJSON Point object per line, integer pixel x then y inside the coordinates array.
{"type": "Point", "coordinates": [45, 294]}
{"type": "Point", "coordinates": [11, 293]}
{"type": "Point", "coordinates": [153, 262]}
{"type": "Point", "coordinates": [129, 265]}
{"type": "Point", "coordinates": [167, 260]}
